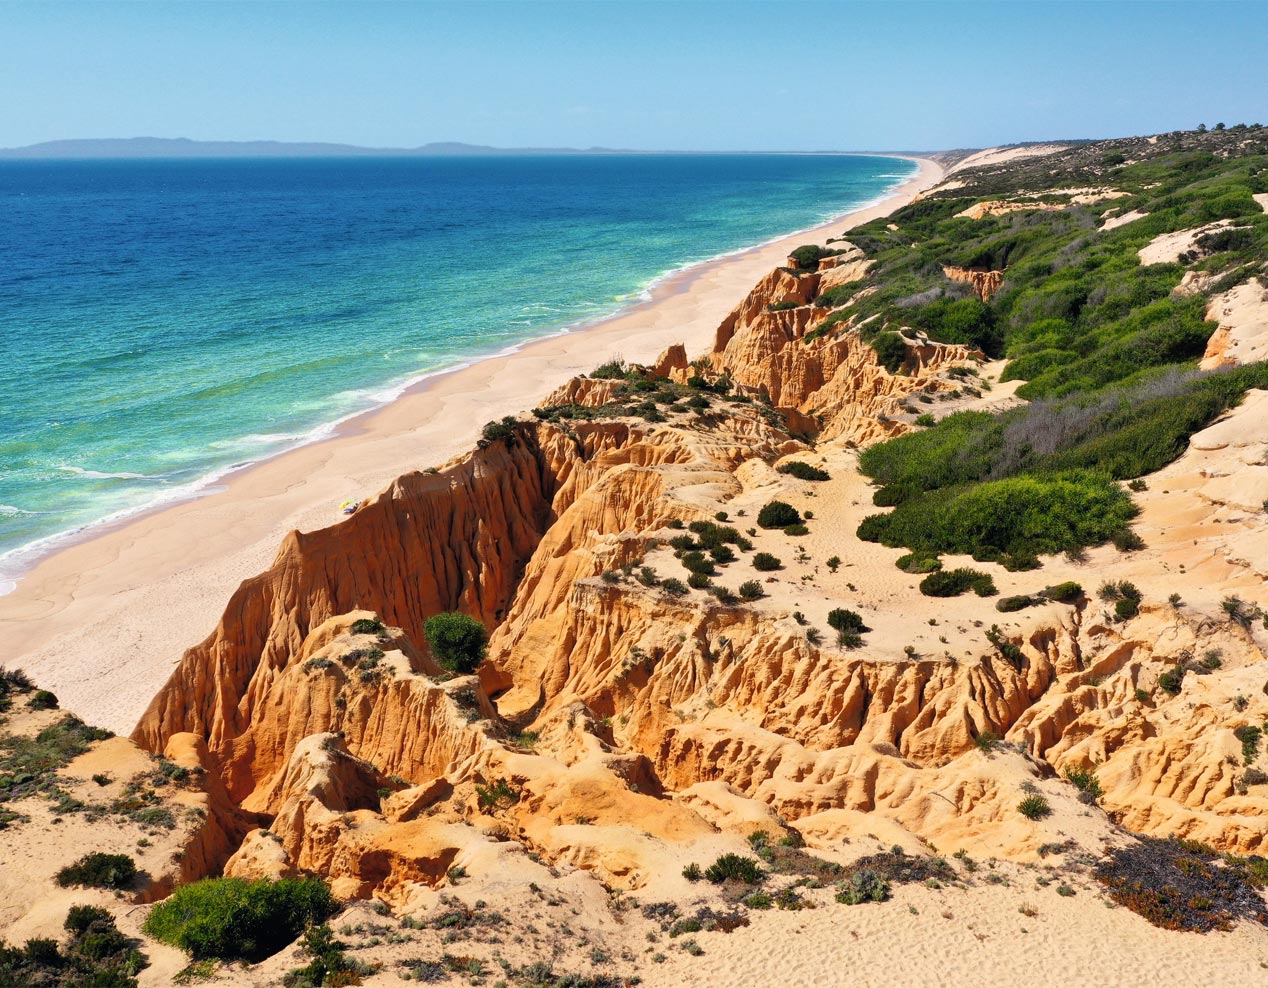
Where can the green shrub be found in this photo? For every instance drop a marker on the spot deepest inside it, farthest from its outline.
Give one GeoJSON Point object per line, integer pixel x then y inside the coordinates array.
{"type": "Point", "coordinates": [807, 256]}
{"type": "Point", "coordinates": [1063, 593]}
{"type": "Point", "coordinates": [673, 586]}
{"type": "Point", "coordinates": [1034, 807]}
{"type": "Point", "coordinates": [1086, 782]}
{"type": "Point", "coordinates": [698, 581]}
{"type": "Point", "coordinates": [987, 741]}
{"type": "Point", "coordinates": [891, 351]}
{"type": "Point", "coordinates": [498, 794]}
{"type": "Point", "coordinates": [97, 870]}
{"type": "Point", "coordinates": [778, 514]}
{"type": "Point", "coordinates": [457, 641]}
{"type": "Point", "coordinates": [1126, 608]}
{"type": "Point", "coordinates": [797, 530]}
{"type": "Point", "coordinates": [1018, 517]}
{"type": "Point", "coordinates": [765, 562]}
{"type": "Point", "coordinates": [95, 954]}
{"type": "Point", "coordinates": [724, 596]}
{"type": "Point", "coordinates": [1009, 650]}
{"type": "Point", "coordinates": [367, 626]}
{"type": "Point", "coordinates": [692, 872]}
{"type": "Point", "coordinates": [1007, 605]}
{"type": "Point", "coordinates": [864, 886]}
{"type": "Point", "coordinates": [1249, 735]}
{"type": "Point", "coordinates": [697, 562]}
{"type": "Point", "coordinates": [238, 919]}
{"type": "Point", "coordinates": [952, 583]}
{"type": "Point", "coordinates": [751, 590]}
{"type": "Point", "coordinates": [843, 619]}
{"type": "Point", "coordinates": [330, 964]}
{"type": "Point", "coordinates": [916, 563]}
{"type": "Point", "coordinates": [803, 471]}
{"type": "Point", "coordinates": [722, 554]}
{"type": "Point", "coordinates": [734, 867]}
{"type": "Point", "coordinates": [503, 430]}
{"type": "Point", "coordinates": [613, 369]}
{"type": "Point", "coordinates": [42, 700]}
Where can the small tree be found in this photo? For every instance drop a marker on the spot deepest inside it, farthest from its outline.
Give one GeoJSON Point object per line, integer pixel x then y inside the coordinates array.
{"type": "Point", "coordinates": [457, 641]}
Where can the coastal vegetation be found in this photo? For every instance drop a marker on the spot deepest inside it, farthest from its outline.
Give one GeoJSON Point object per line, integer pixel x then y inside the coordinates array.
{"type": "Point", "coordinates": [238, 919]}
{"type": "Point", "coordinates": [94, 954]}
{"type": "Point", "coordinates": [457, 641]}
{"type": "Point", "coordinates": [1106, 346]}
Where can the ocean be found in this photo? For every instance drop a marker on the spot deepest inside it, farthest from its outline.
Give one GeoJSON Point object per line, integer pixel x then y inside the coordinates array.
{"type": "Point", "coordinates": [165, 322]}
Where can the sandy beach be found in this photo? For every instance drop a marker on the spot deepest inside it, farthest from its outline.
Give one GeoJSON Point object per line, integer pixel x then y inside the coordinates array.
{"type": "Point", "coordinates": [102, 622]}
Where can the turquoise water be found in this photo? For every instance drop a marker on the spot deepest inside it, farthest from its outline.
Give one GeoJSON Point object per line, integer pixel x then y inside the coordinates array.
{"type": "Point", "coordinates": [163, 322]}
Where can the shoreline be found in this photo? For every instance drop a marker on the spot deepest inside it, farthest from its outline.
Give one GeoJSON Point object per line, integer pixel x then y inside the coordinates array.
{"type": "Point", "coordinates": [120, 604]}
{"type": "Point", "coordinates": [16, 563]}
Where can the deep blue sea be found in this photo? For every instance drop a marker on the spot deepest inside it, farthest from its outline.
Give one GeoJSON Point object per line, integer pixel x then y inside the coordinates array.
{"type": "Point", "coordinates": [164, 321]}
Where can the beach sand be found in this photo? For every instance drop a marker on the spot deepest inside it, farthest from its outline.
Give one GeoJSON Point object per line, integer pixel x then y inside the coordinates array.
{"type": "Point", "coordinates": [102, 622]}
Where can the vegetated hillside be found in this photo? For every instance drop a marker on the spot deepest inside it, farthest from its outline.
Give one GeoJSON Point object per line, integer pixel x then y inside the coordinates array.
{"type": "Point", "coordinates": [651, 662]}
{"type": "Point", "coordinates": [1089, 271]}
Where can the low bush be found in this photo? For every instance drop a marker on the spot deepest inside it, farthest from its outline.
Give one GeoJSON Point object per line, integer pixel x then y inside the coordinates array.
{"type": "Point", "coordinates": [1008, 649]}
{"type": "Point", "coordinates": [803, 471]}
{"type": "Point", "coordinates": [697, 562]}
{"type": "Point", "coordinates": [1249, 735]}
{"type": "Point", "coordinates": [239, 919]}
{"type": "Point", "coordinates": [891, 351]}
{"type": "Point", "coordinates": [751, 590]}
{"type": "Point", "coordinates": [864, 886]}
{"type": "Point", "coordinates": [765, 562]}
{"type": "Point", "coordinates": [699, 581]}
{"type": "Point", "coordinates": [673, 586]}
{"type": "Point", "coordinates": [503, 430]}
{"type": "Point", "coordinates": [367, 626]}
{"type": "Point", "coordinates": [97, 870]}
{"type": "Point", "coordinates": [987, 741]}
{"type": "Point", "coordinates": [1063, 593]}
{"type": "Point", "coordinates": [797, 530]}
{"type": "Point", "coordinates": [613, 369]}
{"type": "Point", "coordinates": [330, 967]}
{"type": "Point", "coordinates": [1034, 807]}
{"type": "Point", "coordinates": [457, 641]}
{"type": "Point", "coordinates": [1018, 517]}
{"type": "Point", "coordinates": [1086, 782]}
{"type": "Point", "coordinates": [778, 514]}
{"type": "Point", "coordinates": [952, 583]}
{"type": "Point", "coordinates": [95, 955]}
{"type": "Point", "coordinates": [916, 563]}
{"type": "Point", "coordinates": [808, 255]}
{"type": "Point", "coordinates": [1007, 605]}
{"type": "Point", "coordinates": [722, 554]}
{"type": "Point", "coordinates": [1171, 680]}
{"type": "Point", "coordinates": [843, 619]}
{"type": "Point", "coordinates": [734, 868]}
{"type": "Point", "coordinates": [1183, 885]}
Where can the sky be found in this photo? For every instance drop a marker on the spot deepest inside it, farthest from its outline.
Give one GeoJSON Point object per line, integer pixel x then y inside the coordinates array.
{"type": "Point", "coordinates": [650, 75]}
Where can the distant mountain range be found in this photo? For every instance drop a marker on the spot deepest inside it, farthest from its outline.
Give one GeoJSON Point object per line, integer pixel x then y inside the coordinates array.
{"type": "Point", "coordinates": [183, 147]}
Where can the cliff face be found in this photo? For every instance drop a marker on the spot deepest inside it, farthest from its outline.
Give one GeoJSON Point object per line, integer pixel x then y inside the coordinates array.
{"type": "Point", "coordinates": [618, 715]}
{"type": "Point", "coordinates": [830, 385]}
{"type": "Point", "coordinates": [456, 539]}
{"type": "Point", "coordinates": [985, 283]}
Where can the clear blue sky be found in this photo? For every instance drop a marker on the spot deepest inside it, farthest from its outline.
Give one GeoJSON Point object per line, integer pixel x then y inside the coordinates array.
{"type": "Point", "coordinates": [760, 76]}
